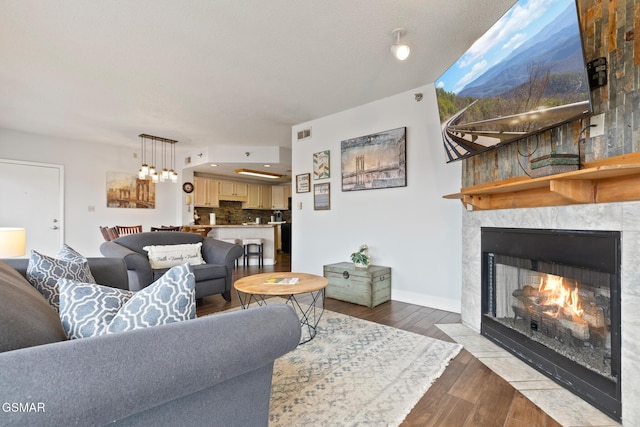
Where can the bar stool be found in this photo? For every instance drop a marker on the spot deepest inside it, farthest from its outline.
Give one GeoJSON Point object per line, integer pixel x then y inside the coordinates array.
{"type": "Point", "coordinates": [235, 242]}
{"type": "Point", "coordinates": [248, 252]}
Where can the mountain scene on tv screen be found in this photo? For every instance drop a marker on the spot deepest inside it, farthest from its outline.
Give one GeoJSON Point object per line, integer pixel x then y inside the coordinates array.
{"type": "Point", "coordinates": [539, 84]}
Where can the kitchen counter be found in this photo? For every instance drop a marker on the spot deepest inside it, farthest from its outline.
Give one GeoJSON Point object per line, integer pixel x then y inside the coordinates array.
{"type": "Point", "coordinates": [203, 230]}
{"type": "Point", "coordinates": [248, 225]}
{"type": "Point", "coordinates": [266, 232]}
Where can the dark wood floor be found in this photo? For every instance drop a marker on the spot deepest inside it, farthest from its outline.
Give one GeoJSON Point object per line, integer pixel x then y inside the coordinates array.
{"type": "Point", "coordinates": [467, 394]}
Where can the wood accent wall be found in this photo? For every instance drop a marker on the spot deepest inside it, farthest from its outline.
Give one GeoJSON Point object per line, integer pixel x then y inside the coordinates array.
{"type": "Point", "coordinates": [609, 28]}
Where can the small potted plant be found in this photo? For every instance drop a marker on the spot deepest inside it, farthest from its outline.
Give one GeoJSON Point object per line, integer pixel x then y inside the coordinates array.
{"type": "Point", "coordinates": [361, 257]}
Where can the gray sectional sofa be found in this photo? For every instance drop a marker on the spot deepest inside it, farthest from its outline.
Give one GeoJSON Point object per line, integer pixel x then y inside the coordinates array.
{"type": "Point", "coordinates": [214, 277]}
{"type": "Point", "coordinates": [210, 371]}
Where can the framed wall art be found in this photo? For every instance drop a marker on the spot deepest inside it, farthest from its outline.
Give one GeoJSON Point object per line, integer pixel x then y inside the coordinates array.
{"type": "Point", "coordinates": [303, 183]}
{"type": "Point", "coordinates": [375, 161]}
{"type": "Point", "coordinates": [126, 190]}
{"type": "Point", "coordinates": [322, 196]}
{"type": "Point", "coordinates": [321, 169]}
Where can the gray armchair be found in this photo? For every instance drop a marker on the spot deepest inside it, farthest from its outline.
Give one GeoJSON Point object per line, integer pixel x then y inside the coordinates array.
{"type": "Point", "coordinates": [214, 277]}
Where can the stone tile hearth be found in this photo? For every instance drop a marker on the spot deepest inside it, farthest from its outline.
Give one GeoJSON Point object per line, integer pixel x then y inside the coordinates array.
{"type": "Point", "coordinates": [557, 402]}
{"type": "Point", "coordinates": [624, 217]}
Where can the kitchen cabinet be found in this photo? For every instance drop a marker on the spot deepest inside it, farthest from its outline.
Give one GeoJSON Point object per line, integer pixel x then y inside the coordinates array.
{"type": "Point", "coordinates": [259, 197]}
{"type": "Point", "coordinates": [278, 197]}
{"type": "Point", "coordinates": [370, 286]}
{"type": "Point", "coordinates": [205, 192]}
{"type": "Point", "coordinates": [233, 190]}
{"type": "Point", "coordinates": [253, 197]}
{"type": "Point", "coordinates": [278, 237]}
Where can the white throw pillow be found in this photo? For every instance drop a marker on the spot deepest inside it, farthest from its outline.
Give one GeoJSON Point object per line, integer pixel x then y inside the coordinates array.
{"type": "Point", "coordinates": [167, 256]}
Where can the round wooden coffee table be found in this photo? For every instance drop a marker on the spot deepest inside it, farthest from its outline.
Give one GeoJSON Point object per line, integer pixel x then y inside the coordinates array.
{"type": "Point", "coordinates": [254, 289]}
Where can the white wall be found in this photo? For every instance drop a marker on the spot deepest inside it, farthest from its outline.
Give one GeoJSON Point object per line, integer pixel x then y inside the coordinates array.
{"type": "Point", "coordinates": [85, 167]}
{"type": "Point", "coordinates": [411, 229]}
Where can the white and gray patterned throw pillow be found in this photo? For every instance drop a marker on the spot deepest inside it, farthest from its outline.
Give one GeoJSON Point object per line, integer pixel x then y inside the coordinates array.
{"type": "Point", "coordinates": [89, 309]}
{"type": "Point", "coordinates": [70, 254]}
{"type": "Point", "coordinates": [44, 271]}
{"type": "Point", "coordinates": [86, 309]}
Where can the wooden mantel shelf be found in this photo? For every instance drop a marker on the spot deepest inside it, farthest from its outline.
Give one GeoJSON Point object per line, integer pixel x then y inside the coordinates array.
{"type": "Point", "coordinates": [613, 180]}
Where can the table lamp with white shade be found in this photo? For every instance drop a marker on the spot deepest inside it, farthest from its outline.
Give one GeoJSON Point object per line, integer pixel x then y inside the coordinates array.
{"type": "Point", "coordinates": [13, 242]}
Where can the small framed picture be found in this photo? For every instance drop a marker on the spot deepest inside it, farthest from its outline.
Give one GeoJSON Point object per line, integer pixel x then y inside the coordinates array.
{"type": "Point", "coordinates": [321, 169]}
{"type": "Point", "coordinates": [303, 183]}
{"type": "Point", "coordinates": [322, 196]}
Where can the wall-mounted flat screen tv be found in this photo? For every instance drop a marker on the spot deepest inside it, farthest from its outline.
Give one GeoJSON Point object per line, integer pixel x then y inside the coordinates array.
{"type": "Point", "coordinates": [525, 75]}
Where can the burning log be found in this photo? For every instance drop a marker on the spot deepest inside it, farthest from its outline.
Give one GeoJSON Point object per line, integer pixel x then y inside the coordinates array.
{"type": "Point", "coordinates": [557, 308]}
{"type": "Point", "coordinates": [564, 319]}
{"type": "Point", "coordinates": [578, 328]}
{"type": "Point", "coordinates": [552, 319]}
{"type": "Point", "coordinates": [594, 316]}
{"type": "Point", "coordinates": [522, 299]}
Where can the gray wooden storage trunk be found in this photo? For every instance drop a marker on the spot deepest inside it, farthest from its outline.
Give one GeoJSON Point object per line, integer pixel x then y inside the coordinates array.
{"type": "Point", "coordinates": [370, 287]}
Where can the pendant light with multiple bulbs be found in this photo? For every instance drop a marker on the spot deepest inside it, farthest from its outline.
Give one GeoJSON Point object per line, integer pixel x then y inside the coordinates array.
{"type": "Point", "coordinates": [147, 172]}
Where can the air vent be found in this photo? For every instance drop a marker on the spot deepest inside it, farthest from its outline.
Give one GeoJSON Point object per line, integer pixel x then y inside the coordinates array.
{"type": "Point", "coordinates": [304, 134]}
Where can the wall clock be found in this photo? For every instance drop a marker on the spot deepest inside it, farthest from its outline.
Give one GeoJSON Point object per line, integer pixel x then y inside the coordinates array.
{"type": "Point", "coordinates": [187, 187]}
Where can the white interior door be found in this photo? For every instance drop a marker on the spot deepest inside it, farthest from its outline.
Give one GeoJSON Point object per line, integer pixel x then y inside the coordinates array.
{"type": "Point", "coordinates": [32, 198]}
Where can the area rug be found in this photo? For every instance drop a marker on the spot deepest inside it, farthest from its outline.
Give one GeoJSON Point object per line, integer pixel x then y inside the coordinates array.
{"type": "Point", "coordinates": [355, 372]}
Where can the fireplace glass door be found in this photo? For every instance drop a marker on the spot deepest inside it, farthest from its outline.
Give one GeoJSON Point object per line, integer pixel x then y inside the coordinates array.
{"type": "Point", "coordinates": [564, 308]}
{"type": "Point", "coordinates": [551, 297]}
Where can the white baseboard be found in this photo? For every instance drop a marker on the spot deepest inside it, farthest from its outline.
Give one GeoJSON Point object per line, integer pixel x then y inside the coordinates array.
{"type": "Point", "coordinates": [445, 304]}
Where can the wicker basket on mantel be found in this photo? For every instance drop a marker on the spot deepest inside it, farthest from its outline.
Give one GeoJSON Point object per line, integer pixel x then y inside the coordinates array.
{"type": "Point", "coordinates": [554, 163]}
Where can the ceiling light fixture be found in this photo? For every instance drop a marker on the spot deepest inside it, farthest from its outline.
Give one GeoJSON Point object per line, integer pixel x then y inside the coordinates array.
{"type": "Point", "coordinates": [399, 50]}
{"type": "Point", "coordinates": [144, 169]}
{"type": "Point", "coordinates": [172, 172]}
{"type": "Point", "coordinates": [258, 173]}
{"type": "Point", "coordinates": [147, 172]}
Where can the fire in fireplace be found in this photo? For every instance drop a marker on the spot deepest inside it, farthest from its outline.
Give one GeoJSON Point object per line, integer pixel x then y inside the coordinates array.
{"type": "Point", "coordinates": [551, 297]}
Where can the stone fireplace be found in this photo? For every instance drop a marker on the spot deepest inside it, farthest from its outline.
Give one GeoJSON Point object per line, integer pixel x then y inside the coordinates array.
{"type": "Point", "coordinates": [552, 299]}
{"type": "Point", "coordinates": [623, 220]}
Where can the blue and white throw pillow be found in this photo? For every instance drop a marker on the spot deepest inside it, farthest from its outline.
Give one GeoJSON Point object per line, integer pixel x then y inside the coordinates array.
{"type": "Point", "coordinates": [70, 254]}
{"type": "Point", "coordinates": [89, 309]}
{"type": "Point", "coordinates": [44, 271]}
{"type": "Point", "coordinates": [86, 309]}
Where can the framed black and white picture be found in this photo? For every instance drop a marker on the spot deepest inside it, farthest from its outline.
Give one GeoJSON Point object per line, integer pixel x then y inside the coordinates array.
{"type": "Point", "coordinates": [303, 183]}
{"type": "Point", "coordinates": [375, 161]}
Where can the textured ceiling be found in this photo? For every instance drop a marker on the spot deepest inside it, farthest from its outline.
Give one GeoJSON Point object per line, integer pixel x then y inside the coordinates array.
{"type": "Point", "coordinates": [209, 72]}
